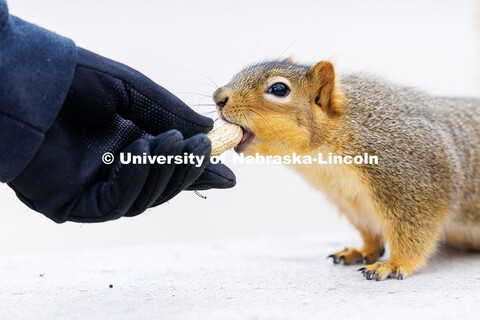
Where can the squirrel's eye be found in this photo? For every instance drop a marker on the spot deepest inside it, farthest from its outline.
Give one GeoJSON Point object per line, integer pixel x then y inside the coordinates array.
{"type": "Point", "coordinates": [279, 89]}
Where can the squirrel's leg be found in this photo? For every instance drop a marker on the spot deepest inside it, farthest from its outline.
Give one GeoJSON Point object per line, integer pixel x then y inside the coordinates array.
{"type": "Point", "coordinates": [371, 250]}
{"type": "Point", "coordinates": [410, 244]}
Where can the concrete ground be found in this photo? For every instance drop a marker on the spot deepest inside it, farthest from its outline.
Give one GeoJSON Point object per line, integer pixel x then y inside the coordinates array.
{"type": "Point", "coordinates": [275, 278]}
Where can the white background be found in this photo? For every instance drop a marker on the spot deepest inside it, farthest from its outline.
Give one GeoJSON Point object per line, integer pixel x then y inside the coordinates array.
{"type": "Point", "coordinates": [183, 44]}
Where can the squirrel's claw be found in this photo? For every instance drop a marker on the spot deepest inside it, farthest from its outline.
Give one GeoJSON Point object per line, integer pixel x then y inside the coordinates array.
{"type": "Point", "coordinates": [337, 259]}
{"type": "Point", "coordinates": [352, 256]}
{"type": "Point", "coordinates": [383, 270]}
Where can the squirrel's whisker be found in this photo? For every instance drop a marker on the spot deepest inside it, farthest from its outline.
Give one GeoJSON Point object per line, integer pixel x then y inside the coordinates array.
{"type": "Point", "coordinates": [195, 93]}
{"type": "Point", "coordinates": [206, 84]}
{"type": "Point", "coordinates": [207, 77]}
{"type": "Point", "coordinates": [210, 112]}
{"type": "Point", "coordinates": [289, 47]}
{"type": "Point", "coordinates": [203, 105]}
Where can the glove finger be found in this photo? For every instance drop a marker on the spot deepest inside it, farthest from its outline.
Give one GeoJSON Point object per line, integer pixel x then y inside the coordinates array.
{"type": "Point", "coordinates": [156, 110]}
{"type": "Point", "coordinates": [168, 143]}
{"type": "Point", "coordinates": [215, 176]}
{"type": "Point", "coordinates": [111, 199]}
{"type": "Point", "coordinates": [137, 98]}
{"type": "Point", "coordinates": [186, 174]}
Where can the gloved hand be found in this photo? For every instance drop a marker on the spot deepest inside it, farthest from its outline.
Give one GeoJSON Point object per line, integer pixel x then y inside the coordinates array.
{"type": "Point", "coordinates": [112, 108]}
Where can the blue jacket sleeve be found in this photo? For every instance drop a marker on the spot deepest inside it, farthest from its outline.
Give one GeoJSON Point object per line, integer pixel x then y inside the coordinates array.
{"type": "Point", "coordinates": [36, 70]}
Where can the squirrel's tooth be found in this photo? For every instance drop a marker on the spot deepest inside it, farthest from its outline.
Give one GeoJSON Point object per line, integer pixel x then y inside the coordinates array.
{"type": "Point", "coordinates": [226, 136]}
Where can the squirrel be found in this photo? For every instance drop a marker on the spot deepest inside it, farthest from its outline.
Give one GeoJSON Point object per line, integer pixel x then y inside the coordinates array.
{"type": "Point", "coordinates": [425, 187]}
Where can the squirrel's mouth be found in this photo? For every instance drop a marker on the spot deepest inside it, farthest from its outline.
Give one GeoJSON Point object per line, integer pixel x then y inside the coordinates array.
{"type": "Point", "coordinates": [246, 139]}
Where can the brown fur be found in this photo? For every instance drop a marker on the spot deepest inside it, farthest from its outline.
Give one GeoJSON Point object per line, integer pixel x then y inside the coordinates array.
{"type": "Point", "coordinates": [426, 185]}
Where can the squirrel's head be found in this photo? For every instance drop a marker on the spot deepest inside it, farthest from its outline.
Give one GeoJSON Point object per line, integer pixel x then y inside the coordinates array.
{"type": "Point", "coordinates": [282, 107]}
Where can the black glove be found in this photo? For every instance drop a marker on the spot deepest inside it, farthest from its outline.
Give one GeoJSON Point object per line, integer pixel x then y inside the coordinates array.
{"type": "Point", "coordinates": [112, 108]}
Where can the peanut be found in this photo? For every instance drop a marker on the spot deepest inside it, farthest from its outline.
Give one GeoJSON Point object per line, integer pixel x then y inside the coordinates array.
{"type": "Point", "coordinates": [224, 137]}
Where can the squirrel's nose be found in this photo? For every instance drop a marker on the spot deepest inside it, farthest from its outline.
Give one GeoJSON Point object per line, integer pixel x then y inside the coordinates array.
{"type": "Point", "coordinates": [221, 104]}
{"type": "Point", "coordinates": [220, 97]}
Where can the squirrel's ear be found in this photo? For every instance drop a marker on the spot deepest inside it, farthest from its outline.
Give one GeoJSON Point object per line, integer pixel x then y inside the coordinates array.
{"type": "Point", "coordinates": [288, 59]}
{"type": "Point", "coordinates": [321, 79]}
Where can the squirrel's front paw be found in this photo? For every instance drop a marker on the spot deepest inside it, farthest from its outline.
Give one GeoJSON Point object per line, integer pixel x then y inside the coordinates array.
{"type": "Point", "coordinates": [383, 270]}
{"type": "Point", "coordinates": [351, 256]}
